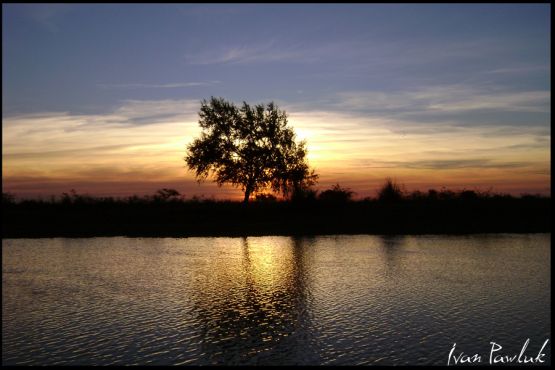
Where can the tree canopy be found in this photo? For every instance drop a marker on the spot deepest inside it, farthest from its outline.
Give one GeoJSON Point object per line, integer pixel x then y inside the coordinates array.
{"type": "Point", "coordinates": [249, 147]}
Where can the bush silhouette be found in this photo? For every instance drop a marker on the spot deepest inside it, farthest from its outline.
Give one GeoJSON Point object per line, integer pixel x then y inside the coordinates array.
{"type": "Point", "coordinates": [166, 194]}
{"type": "Point", "coordinates": [336, 194]}
{"type": "Point", "coordinates": [303, 195]}
{"type": "Point", "coordinates": [333, 212]}
{"type": "Point", "coordinates": [390, 191]}
{"type": "Point", "coordinates": [8, 198]}
{"type": "Point", "coordinates": [265, 198]}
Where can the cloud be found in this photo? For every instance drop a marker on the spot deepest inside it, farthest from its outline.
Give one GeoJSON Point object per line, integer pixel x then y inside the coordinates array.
{"type": "Point", "coordinates": [448, 109]}
{"type": "Point", "coordinates": [362, 54]}
{"type": "Point", "coordinates": [443, 111]}
{"type": "Point", "coordinates": [444, 164]}
{"type": "Point", "coordinates": [360, 149]}
{"type": "Point", "coordinates": [146, 135]}
{"type": "Point", "coordinates": [247, 54]}
{"type": "Point", "coordinates": [144, 142]}
{"type": "Point", "coordinates": [156, 111]}
{"type": "Point", "coordinates": [448, 98]}
{"type": "Point", "coordinates": [527, 101]}
{"type": "Point", "coordinates": [158, 86]}
{"type": "Point", "coordinates": [276, 50]}
{"type": "Point", "coordinates": [522, 69]}
{"type": "Point", "coordinates": [43, 187]}
{"type": "Point", "coordinates": [65, 152]}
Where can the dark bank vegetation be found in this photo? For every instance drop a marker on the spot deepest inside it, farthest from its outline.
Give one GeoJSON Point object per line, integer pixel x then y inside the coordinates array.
{"type": "Point", "coordinates": [305, 212]}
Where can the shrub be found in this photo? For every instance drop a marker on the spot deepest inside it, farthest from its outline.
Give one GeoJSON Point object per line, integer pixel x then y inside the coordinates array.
{"type": "Point", "coordinates": [336, 194]}
{"type": "Point", "coordinates": [303, 195]}
{"type": "Point", "coordinates": [166, 194]}
{"type": "Point", "coordinates": [390, 191]}
{"type": "Point", "coordinates": [8, 198]}
{"type": "Point", "coordinates": [265, 198]}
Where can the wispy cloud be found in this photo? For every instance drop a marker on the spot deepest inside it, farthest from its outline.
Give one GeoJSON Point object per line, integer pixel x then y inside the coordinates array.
{"type": "Point", "coordinates": [520, 69]}
{"type": "Point", "coordinates": [157, 111]}
{"type": "Point", "coordinates": [145, 141]}
{"type": "Point", "coordinates": [146, 183]}
{"type": "Point", "coordinates": [450, 98]}
{"type": "Point", "coordinates": [62, 145]}
{"type": "Point", "coordinates": [358, 53]}
{"type": "Point", "coordinates": [158, 86]}
{"type": "Point", "coordinates": [527, 101]}
{"type": "Point", "coordinates": [247, 54]}
{"type": "Point", "coordinates": [449, 164]}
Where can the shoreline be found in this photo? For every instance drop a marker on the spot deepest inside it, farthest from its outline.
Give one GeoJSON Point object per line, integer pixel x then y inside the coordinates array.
{"type": "Point", "coordinates": [179, 236]}
{"type": "Point", "coordinates": [231, 219]}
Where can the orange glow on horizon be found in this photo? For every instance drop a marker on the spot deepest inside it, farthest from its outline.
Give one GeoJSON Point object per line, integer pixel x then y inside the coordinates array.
{"type": "Point", "coordinates": [49, 154]}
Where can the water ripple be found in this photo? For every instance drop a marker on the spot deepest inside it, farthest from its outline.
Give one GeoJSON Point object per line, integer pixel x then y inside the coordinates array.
{"type": "Point", "coordinates": [331, 300]}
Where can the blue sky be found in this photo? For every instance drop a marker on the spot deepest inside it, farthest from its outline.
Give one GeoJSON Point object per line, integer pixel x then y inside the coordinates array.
{"type": "Point", "coordinates": [472, 71]}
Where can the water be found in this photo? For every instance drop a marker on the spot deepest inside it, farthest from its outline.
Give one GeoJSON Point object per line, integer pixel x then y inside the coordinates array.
{"type": "Point", "coordinates": [273, 300]}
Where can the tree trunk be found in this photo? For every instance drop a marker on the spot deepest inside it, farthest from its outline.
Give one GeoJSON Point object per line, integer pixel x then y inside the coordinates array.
{"type": "Point", "coordinates": [247, 195]}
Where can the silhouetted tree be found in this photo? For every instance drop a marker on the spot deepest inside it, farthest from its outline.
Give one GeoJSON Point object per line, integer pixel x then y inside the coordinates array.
{"type": "Point", "coordinates": [249, 147]}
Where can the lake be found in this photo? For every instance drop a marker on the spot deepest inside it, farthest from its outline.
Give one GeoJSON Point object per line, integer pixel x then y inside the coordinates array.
{"type": "Point", "coordinates": [342, 300]}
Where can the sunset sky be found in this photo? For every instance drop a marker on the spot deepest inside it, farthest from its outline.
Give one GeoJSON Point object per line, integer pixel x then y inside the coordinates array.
{"type": "Point", "coordinates": [104, 98]}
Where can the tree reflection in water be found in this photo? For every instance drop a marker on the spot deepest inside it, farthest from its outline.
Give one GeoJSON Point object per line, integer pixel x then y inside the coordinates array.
{"type": "Point", "coordinates": [266, 310]}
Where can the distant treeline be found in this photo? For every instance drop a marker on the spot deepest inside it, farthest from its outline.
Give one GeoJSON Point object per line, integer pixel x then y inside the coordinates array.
{"type": "Point", "coordinates": [332, 211]}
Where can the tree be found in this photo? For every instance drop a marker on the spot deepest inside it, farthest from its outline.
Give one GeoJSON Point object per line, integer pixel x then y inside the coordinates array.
{"type": "Point", "coordinates": [249, 147]}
